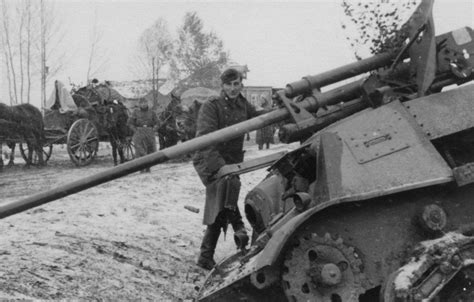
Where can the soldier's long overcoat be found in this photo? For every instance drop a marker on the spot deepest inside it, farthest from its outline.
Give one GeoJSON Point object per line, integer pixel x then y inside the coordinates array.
{"type": "Point", "coordinates": [143, 124]}
{"type": "Point", "coordinates": [217, 113]}
{"type": "Point", "coordinates": [264, 135]}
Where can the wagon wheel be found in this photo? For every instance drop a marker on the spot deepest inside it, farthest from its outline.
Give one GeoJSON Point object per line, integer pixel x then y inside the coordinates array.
{"type": "Point", "coordinates": [24, 150]}
{"type": "Point", "coordinates": [128, 149]}
{"type": "Point", "coordinates": [82, 142]}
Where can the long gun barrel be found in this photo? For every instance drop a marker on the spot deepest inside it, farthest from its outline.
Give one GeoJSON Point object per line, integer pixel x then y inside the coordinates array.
{"type": "Point", "coordinates": [311, 102]}
{"type": "Point", "coordinates": [337, 95]}
{"type": "Point", "coordinates": [307, 84]}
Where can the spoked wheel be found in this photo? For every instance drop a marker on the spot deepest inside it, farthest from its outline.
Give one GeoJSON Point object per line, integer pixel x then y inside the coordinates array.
{"type": "Point", "coordinates": [321, 269]}
{"type": "Point", "coordinates": [82, 142]}
{"type": "Point", "coordinates": [128, 149]}
{"type": "Point", "coordinates": [47, 151]}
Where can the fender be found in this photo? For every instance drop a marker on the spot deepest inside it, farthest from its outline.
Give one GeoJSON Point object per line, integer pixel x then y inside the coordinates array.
{"type": "Point", "coordinates": [269, 255]}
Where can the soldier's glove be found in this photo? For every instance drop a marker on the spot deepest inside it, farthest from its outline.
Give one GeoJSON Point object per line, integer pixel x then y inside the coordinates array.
{"type": "Point", "coordinates": [225, 170]}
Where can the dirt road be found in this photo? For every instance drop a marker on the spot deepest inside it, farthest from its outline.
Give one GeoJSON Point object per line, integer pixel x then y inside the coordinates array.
{"type": "Point", "coordinates": [127, 239]}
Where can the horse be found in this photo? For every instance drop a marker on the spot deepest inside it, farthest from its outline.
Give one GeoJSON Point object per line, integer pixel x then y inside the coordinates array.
{"type": "Point", "coordinates": [24, 122]}
{"type": "Point", "coordinates": [109, 114]}
{"type": "Point", "coordinates": [168, 134]}
{"type": "Point", "coordinates": [116, 118]}
{"type": "Point", "coordinates": [186, 121]}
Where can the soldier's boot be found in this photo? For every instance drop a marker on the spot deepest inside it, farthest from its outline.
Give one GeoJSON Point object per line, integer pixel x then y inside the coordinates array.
{"type": "Point", "coordinates": [208, 246]}
{"type": "Point", "coordinates": [241, 238]}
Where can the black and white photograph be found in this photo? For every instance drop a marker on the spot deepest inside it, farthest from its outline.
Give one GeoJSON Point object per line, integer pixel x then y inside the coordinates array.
{"type": "Point", "coordinates": [237, 150]}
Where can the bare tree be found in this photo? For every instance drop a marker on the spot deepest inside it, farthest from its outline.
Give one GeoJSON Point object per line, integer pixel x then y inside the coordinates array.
{"type": "Point", "coordinates": [29, 33]}
{"type": "Point", "coordinates": [29, 42]}
{"type": "Point", "coordinates": [155, 48]}
{"type": "Point", "coordinates": [9, 54]}
{"type": "Point", "coordinates": [98, 58]}
{"type": "Point", "coordinates": [52, 35]}
{"type": "Point", "coordinates": [374, 25]}
{"type": "Point", "coordinates": [21, 27]}
{"type": "Point", "coordinates": [199, 57]}
{"type": "Point", "coordinates": [5, 51]}
{"type": "Point", "coordinates": [43, 34]}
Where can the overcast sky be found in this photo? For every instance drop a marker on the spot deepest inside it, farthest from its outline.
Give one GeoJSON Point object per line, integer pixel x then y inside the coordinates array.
{"type": "Point", "coordinates": [280, 41]}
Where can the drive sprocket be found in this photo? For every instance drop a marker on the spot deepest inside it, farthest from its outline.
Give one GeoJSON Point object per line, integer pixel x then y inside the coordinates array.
{"type": "Point", "coordinates": [321, 269]}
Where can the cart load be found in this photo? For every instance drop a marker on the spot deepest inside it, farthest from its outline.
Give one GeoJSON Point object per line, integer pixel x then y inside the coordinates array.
{"type": "Point", "coordinates": [83, 119]}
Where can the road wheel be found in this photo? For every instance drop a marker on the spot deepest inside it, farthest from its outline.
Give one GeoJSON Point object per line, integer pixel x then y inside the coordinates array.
{"type": "Point", "coordinates": [321, 269]}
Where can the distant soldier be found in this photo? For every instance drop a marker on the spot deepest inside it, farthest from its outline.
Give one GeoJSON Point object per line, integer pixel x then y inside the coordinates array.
{"type": "Point", "coordinates": [94, 83]}
{"type": "Point", "coordinates": [143, 122]}
{"type": "Point", "coordinates": [264, 136]}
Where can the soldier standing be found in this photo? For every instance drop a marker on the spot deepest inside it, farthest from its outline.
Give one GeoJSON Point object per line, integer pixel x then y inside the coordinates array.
{"type": "Point", "coordinates": [221, 193]}
{"type": "Point", "coordinates": [264, 136]}
{"type": "Point", "coordinates": [143, 122]}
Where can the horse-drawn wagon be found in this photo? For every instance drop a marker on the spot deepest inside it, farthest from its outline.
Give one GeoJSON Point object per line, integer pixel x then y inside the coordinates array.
{"type": "Point", "coordinates": [81, 120]}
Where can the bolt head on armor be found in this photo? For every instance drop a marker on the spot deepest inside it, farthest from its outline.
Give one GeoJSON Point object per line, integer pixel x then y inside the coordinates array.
{"type": "Point", "coordinates": [433, 218]}
{"type": "Point", "coordinates": [330, 274]}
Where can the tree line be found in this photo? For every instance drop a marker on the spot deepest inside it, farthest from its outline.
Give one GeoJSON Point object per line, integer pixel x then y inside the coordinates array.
{"type": "Point", "coordinates": [29, 36]}
{"type": "Point", "coordinates": [32, 50]}
{"type": "Point", "coordinates": [195, 58]}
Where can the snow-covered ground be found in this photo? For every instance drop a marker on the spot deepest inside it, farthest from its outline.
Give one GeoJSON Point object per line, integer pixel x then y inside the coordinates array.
{"type": "Point", "coordinates": [130, 238]}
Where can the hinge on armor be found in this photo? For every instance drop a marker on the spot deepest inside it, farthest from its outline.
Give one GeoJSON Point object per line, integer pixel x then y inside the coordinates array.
{"type": "Point", "coordinates": [464, 174]}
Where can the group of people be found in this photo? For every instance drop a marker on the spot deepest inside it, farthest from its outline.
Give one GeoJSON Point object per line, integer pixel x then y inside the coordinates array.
{"type": "Point", "coordinates": [221, 209]}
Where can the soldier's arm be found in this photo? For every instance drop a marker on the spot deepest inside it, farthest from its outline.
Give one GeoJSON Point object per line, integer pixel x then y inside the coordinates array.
{"type": "Point", "coordinates": [208, 160]}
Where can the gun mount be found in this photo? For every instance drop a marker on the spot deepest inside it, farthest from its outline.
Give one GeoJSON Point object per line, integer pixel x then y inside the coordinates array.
{"type": "Point", "coordinates": [334, 96]}
{"type": "Point", "coordinates": [376, 202]}
{"type": "Point", "coordinates": [373, 206]}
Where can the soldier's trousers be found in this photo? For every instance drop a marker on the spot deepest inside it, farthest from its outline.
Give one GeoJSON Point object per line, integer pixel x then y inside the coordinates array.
{"type": "Point", "coordinates": [213, 231]}
{"type": "Point", "coordinates": [144, 141]}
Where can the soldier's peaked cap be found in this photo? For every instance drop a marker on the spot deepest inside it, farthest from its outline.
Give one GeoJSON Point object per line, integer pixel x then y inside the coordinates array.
{"type": "Point", "coordinates": [230, 75]}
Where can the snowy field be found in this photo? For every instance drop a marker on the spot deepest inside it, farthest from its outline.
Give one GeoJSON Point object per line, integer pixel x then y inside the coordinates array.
{"type": "Point", "coordinates": [130, 238]}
